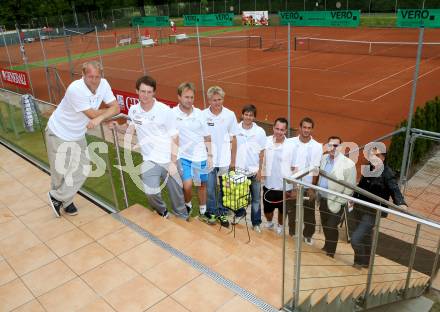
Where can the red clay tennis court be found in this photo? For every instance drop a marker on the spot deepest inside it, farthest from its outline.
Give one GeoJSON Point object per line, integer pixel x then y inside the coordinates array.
{"type": "Point", "coordinates": [347, 89]}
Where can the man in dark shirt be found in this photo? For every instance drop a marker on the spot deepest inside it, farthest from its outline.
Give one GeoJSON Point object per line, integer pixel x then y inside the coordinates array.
{"type": "Point", "coordinates": [380, 181]}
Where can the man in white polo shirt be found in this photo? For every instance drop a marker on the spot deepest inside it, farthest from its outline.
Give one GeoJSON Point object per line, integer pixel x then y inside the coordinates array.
{"type": "Point", "coordinates": [307, 153]}
{"type": "Point", "coordinates": [251, 141]}
{"type": "Point", "coordinates": [222, 126]}
{"type": "Point", "coordinates": [194, 146]}
{"type": "Point", "coordinates": [157, 135]}
{"type": "Point", "coordinates": [65, 134]}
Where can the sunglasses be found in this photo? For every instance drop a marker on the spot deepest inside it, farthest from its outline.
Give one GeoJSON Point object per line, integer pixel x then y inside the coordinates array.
{"type": "Point", "coordinates": [332, 145]}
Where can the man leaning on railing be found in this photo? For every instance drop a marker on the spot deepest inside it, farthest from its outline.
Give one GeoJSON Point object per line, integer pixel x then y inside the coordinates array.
{"type": "Point", "coordinates": [378, 179]}
{"type": "Point", "coordinates": [78, 111]}
{"type": "Point", "coordinates": [331, 207]}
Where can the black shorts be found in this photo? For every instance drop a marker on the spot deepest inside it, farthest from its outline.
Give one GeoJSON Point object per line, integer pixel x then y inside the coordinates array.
{"type": "Point", "coordinates": [270, 196]}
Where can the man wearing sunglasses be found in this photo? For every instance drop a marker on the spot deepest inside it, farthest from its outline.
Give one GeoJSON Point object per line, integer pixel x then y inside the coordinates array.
{"type": "Point", "coordinates": [331, 207]}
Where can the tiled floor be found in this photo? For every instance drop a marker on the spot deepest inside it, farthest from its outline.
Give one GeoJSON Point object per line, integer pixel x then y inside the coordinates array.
{"type": "Point", "coordinates": [92, 262]}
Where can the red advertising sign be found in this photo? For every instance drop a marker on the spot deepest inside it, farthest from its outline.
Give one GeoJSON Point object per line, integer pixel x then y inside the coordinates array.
{"type": "Point", "coordinates": [15, 77]}
{"type": "Point", "coordinates": [127, 99]}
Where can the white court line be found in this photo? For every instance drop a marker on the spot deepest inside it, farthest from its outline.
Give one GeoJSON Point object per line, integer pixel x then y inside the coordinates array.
{"type": "Point", "coordinates": [378, 81]}
{"type": "Point", "coordinates": [410, 81]}
{"type": "Point", "coordinates": [285, 90]}
{"type": "Point", "coordinates": [274, 64]}
{"type": "Point", "coordinates": [176, 63]}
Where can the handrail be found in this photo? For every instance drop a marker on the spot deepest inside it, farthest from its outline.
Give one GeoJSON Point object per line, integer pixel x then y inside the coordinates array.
{"type": "Point", "coordinates": [357, 189]}
{"type": "Point", "coordinates": [429, 133]}
{"type": "Point", "coordinates": [367, 204]}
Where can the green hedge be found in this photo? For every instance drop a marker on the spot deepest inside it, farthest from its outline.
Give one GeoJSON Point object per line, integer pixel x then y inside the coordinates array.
{"type": "Point", "coordinates": [425, 118]}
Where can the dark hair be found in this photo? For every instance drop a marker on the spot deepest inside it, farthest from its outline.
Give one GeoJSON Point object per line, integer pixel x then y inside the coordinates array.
{"type": "Point", "coordinates": [308, 120]}
{"type": "Point", "coordinates": [249, 108]}
{"type": "Point", "coordinates": [281, 120]}
{"type": "Point", "coordinates": [334, 137]}
{"type": "Point", "coordinates": [146, 80]}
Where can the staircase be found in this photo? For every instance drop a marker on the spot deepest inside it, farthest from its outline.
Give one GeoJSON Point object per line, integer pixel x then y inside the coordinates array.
{"type": "Point", "coordinates": [326, 284]}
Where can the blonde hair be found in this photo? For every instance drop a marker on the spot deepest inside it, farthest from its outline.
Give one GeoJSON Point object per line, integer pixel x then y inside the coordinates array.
{"type": "Point", "coordinates": [95, 64]}
{"type": "Point", "coordinates": [215, 90]}
{"type": "Point", "coordinates": [185, 85]}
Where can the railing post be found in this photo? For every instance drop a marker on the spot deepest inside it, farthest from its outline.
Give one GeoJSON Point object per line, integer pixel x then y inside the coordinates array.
{"type": "Point", "coordinates": [434, 265]}
{"type": "Point", "coordinates": [411, 259]}
{"type": "Point", "coordinates": [372, 257]}
{"type": "Point", "coordinates": [298, 233]}
{"type": "Point", "coordinates": [107, 160]}
{"type": "Point", "coordinates": [283, 277]}
{"type": "Point", "coordinates": [121, 173]}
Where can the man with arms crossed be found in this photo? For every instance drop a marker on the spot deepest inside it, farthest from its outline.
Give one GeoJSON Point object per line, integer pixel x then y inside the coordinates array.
{"type": "Point", "coordinates": [278, 161]}
{"type": "Point", "coordinates": [307, 154]}
{"type": "Point", "coordinates": [222, 126]}
{"type": "Point", "coordinates": [157, 134]}
{"type": "Point", "coordinates": [331, 207]}
{"type": "Point", "coordinates": [251, 140]}
{"type": "Point", "coordinates": [194, 145]}
{"type": "Point", "coordinates": [78, 111]}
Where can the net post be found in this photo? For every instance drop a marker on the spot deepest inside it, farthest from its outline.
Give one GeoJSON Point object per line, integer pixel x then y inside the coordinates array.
{"type": "Point", "coordinates": [46, 69]}
{"type": "Point", "coordinates": [142, 50]}
{"type": "Point", "coordinates": [25, 60]}
{"type": "Point", "coordinates": [99, 50]}
{"type": "Point", "coordinates": [294, 43]}
{"type": "Point", "coordinates": [403, 178]}
{"type": "Point", "coordinates": [201, 65]}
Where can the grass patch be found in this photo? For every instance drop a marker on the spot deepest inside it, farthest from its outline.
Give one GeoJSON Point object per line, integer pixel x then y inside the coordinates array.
{"type": "Point", "coordinates": [378, 21]}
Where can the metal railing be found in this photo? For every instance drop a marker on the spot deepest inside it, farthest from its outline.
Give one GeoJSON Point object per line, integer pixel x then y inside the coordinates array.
{"type": "Point", "coordinates": [293, 303]}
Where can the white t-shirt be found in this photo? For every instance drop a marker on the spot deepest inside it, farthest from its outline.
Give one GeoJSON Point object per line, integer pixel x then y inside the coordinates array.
{"type": "Point", "coordinates": [250, 142]}
{"type": "Point", "coordinates": [306, 155]}
{"type": "Point", "coordinates": [192, 132]}
{"type": "Point", "coordinates": [68, 121]}
{"type": "Point", "coordinates": [278, 161]}
{"type": "Point", "coordinates": [221, 127]}
{"type": "Point", "coordinates": [154, 131]}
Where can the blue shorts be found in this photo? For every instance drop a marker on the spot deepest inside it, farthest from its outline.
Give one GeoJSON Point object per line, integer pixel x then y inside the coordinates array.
{"type": "Point", "coordinates": [195, 170]}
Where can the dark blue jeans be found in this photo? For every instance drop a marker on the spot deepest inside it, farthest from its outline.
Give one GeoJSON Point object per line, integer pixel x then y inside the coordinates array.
{"type": "Point", "coordinates": [255, 189]}
{"type": "Point", "coordinates": [361, 238]}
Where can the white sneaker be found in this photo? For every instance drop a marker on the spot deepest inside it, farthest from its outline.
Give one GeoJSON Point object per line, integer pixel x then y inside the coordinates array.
{"type": "Point", "coordinates": [308, 241]}
{"type": "Point", "coordinates": [257, 228]}
{"type": "Point", "coordinates": [279, 229]}
{"type": "Point", "coordinates": [269, 225]}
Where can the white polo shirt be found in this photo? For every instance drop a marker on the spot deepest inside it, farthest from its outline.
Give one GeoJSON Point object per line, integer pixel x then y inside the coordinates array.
{"type": "Point", "coordinates": [250, 142]}
{"type": "Point", "coordinates": [222, 128]}
{"type": "Point", "coordinates": [306, 155]}
{"type": "Point", "coordinates": [68, 122]}
{"type": "Point", "coordinates": [278, 161]}
{"type": "Point", "coordinates": [192, 132]}
{"type": "Point", "coordinates": [154, 131]}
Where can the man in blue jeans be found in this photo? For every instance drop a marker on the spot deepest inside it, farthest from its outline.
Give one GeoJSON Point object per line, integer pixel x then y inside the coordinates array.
{"type": "Point", "coordinates": [251, 140]}
{"type": "Point", "coordinates": [222, 127]}
{"type": "Point", "coordinates": [378, 179]}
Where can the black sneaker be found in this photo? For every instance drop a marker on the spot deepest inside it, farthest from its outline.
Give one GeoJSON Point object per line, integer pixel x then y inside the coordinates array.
{"type": "Point", "coordinates": [189, 209]}
{"type": "Point", "coordinates": [55, 205]}
{"type": "Point", "coordinates": [164, 215]}
{"type": "Point", "coordinates": [71, 210]}
{"type": "Point", "coordinates": [223, 221]}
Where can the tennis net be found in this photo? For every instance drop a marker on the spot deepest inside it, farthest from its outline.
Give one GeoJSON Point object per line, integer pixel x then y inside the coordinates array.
{"type": "Point", "coordinates": [221, 41]}
{"type": "Point", "coordinates": [377, 48]}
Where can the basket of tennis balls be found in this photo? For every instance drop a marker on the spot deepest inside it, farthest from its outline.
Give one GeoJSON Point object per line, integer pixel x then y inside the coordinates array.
{"type": "Point", "coordinates": [235, 187]}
